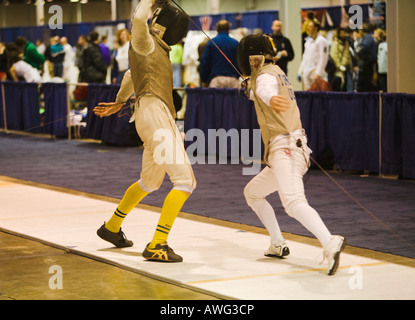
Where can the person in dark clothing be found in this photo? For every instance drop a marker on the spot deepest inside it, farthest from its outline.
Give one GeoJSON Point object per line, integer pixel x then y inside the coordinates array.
{"type": "Point", "coordinates": [214, 69]}
{"type": "Point", "coordinates": [55, 54]}
{"type": "Point", "coordinates": [284, 47]}
{"type": "Point", "coordinates": [366, 52]}
{"type": "Point", "coordinates": [94, 68]}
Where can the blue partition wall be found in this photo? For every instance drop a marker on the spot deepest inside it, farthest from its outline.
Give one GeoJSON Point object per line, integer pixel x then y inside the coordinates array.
{"type": "Point", "coordinates": [345, 124]}
{"type": "Point", "coordinates": [56, 109]}
{"type": "Point", "coordinates": [22, 112]}
{"type": "Point", "coordinates": [21, 109]}
{"type": "Point", "coordinates": [115, 129]}
{"type": "Point", "coordinates": [398, 134]}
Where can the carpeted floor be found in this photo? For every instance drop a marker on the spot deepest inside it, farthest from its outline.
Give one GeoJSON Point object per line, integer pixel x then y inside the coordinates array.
{"type": "Point", "coordinates": [386, 224]}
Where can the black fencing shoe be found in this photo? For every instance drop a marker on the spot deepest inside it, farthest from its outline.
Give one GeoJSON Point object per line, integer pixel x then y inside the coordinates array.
{"type": "Point", "coordinates": [162, 253]}
{"type": "Point", "coordinates": [117, 239]}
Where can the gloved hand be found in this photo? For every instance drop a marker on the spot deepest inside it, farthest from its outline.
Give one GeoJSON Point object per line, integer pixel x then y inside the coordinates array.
{"type": "Point", "coordinates": [245, 87]}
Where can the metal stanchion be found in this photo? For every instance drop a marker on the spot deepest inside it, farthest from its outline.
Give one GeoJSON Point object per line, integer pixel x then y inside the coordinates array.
{"type": "Point", "coordinates": [4, 108]}
{"type": "Point", "coordinates": [68, 110]}
{"type": "Point", "coordinates": [380, 133]}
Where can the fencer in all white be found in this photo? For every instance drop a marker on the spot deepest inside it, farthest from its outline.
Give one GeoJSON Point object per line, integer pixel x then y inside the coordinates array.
{"type": "Point", "coordinates": [285, 174]}
{"type": "Point", "coordinates": [287, 165]}
{"type": "Point", "coordinates": [286, 154]}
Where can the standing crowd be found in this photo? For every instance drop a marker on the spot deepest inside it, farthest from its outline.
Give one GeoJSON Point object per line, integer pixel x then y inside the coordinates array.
{"type": "Point", "coordinates": [346, 60]}
{"type": "Point", "coordinates": [336, 60]}
{"type": "Point", "coordinates": [89, 61]}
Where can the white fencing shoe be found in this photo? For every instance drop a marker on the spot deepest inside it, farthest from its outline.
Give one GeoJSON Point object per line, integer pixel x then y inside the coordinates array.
{"type": "Point", "coordinates": [332, 253]}
{"type": "Point", "coordinates": [279, 249]}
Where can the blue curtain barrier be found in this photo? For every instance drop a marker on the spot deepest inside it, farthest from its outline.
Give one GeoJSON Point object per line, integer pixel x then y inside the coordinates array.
{"type": "Point", "coordinates": [21, 112]}
{"type": "Point", "coordinates": [115, 129]}
{"type": "Point", "coordinates": [19, 103]}
{"type": "Point", "coordinates": [360, 131]}
{"type": "Point", "coordinates": [398, 134]}
{"type": "Point", "coordinates": [56, 109]}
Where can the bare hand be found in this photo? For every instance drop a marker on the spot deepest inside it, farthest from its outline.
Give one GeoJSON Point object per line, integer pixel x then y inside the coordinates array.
{"type": "Point", "coordinates": [280, 103]}
{"type": "Point", "coordinates": [105, 109]}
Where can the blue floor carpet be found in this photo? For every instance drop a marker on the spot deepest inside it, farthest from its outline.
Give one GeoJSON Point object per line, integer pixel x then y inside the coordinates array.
{"type": "Point", "coordinates": [387, 223]}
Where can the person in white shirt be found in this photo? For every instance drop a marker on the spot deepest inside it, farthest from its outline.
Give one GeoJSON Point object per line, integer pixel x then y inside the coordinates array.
{"type": "Point", "coordinates": [121, 55]}
{"type": "Point", "coordinates": [380, 36]}
{"type": "Point", "coordinates": [21, 70]}
{"type": "Point", "coordinates": [69, 71]}
{"type": "Point", "coordinates": [40, 46]}
{"type": "Point", "coordinates": [315, 57]}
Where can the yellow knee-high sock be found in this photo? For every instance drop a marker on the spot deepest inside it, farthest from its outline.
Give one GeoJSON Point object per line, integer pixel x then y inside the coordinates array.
{"type": "Point", "coordinates": [132, 197]}
{"type": "Point", "coordinates": [171, 207]}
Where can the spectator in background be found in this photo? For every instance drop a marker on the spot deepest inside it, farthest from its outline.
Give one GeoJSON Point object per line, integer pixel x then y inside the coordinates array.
{"type": "Point", "coordinates": [3, 62]}
{"type": "Point", "coordinates": [200, 49]}
{"type": "Point", "coordinates": [304, 27]}
{"type": "Point", "coordinates": [19, 69]}
{"type": "Point", "coordinates": [93, 67]}
{"type": "Point", "coordinates": [107, 56]}
{"type": "Point", "coordinates": [380, 36]}
{"type": "Point", "coordinates": [55, 54]}
{"type": "Point", "coordinates": [40, 46]}
{"type": "Point", "coordinates": [121, 63]}
{"type": "Point", "coordinates": [69, 70]}
{"type": "Point", "coordinates": [366, 52]}
{"type": "Point", "coordinates": [81, 45]}
{"type": "Point", "coordinates": [176, 58]}
{"type": "Point", "coordinates": [106, 53]}
{"type": "Point", "coordinates": [30, 53]}
{"type": "Point", "coordinates": [215, 70]}
{"type": "Point", "coordinates": [315, 57]}
{"type": "Point", "coordinates": [342, 58]}
{"type": "Point", "coordinates": [350, 83]}
{"type": "Point", "coordinates": [285, 51]}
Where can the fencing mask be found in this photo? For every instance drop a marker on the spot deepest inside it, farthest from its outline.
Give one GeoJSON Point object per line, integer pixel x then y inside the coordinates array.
{"type": "Point", "coordinates": [170, 23]}
{"type": "Point", "coordinates": [254, 45]}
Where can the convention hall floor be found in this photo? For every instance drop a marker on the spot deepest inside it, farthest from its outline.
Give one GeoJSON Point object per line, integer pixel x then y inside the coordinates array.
{"type": "Point", "coordinates": [50, 251]}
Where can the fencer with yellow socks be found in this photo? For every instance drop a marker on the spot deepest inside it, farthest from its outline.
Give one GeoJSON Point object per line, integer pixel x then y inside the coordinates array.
{"type": "Point", "coordinates": [286, 153]}
{"type": "Point", "coordinates": [151, 79]}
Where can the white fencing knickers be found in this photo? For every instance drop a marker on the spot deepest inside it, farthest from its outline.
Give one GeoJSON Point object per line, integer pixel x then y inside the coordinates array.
{"type": "Point", "coordinates": [163, 147]}
{"type": "Point", "coordinates": [288, 162]}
